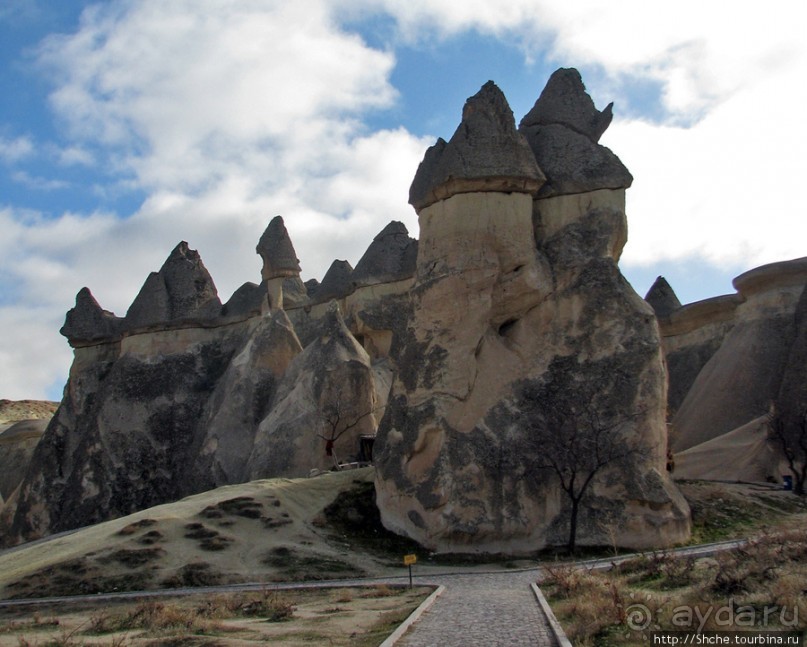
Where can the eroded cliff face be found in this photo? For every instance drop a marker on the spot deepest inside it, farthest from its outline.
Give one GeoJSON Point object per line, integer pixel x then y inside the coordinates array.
{"type": "Point", "coordinates": [754, 333]}
{"type": "Point", "coordinates": [517, 302]}
{"type": "Point", "coordinates": [732, 361]}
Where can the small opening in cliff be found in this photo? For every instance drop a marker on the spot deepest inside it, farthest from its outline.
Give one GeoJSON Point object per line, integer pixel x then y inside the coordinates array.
{"type": "Point", "coordinates": [507, 327]}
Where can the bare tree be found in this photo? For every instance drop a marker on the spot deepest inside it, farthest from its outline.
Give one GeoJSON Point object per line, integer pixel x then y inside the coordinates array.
{"type": "Point", "coordinates": [337, 419]}
{"type": "Point", "coordinates": [790, 434]}
{"type": "Point", "coordinates": [575, 436]}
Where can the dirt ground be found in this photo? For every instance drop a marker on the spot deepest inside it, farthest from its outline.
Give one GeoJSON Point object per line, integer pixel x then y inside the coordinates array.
{"type": "Point", "coordinates": [337, 616]}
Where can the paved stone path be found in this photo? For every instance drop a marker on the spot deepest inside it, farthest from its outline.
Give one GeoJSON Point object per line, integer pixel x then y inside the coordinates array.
{"type": "Point", "coordinates": [486, 609]}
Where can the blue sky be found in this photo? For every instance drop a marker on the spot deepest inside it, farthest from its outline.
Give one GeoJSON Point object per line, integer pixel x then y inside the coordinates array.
{"type": "Point", "coordinates": [128, 126]}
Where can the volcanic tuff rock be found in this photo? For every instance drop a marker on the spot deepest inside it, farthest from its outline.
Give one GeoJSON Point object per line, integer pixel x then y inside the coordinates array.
{"type": "Point", "coordinates": [565, 102]}
{"type": "Point", "coordinates": [391, 256]}
{"type": "Point", "coordinates": [277, 251]}
{"type": "Point", "coordinates": [336, 283]}
{"type": "Point", "coordinates": [246, 301]}
{"type": "Point", "coordinates": [486, 153]}
{"type": "Point", "coordinates": [241, 399]}
{"type": "Point", "coordinates": [662, 298]}
{"type": "Point", "coordinates": [509, 307]}
{"type": "Point", "coordinates": [87, 322]}
{"type": "Point", "coordinates": [512, 298]}
{"type": "Point", "coordinates": [182, 289]}
{"type": "Point", "coordinates": [563, 129]}
{"type": "Point", "coordinates": [325, 400]}
{"type": "Point", "coordinates": [17, 444]}
{"type": "Point", "coordinates": [743, 378]}
{"type": "Point", "coordinates": [155, 412]}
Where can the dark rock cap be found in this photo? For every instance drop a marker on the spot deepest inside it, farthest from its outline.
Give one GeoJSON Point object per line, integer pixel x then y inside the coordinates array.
{"type": "Point", "coordinates": [87, 322]}
{"type": "Point", "coordinates": [565, 101]}
{"type": "Point", "coordinates": [311, 287]}
{"type": "Point", "coordinates": [246, 300]}
{"type": "Point", "coordinates": [392, 256]}
{"type": "Point", "coordinates": [182, 289]}
{"type": "Point", "coordinates": [336, 283]}
{"type": "Point", "coordinates": [486, 153]}
{"type": "Point", "coordinates": [277, 252]}
{"type": "Point", "coordinates": [662, 298]}
{"type": "Point", "coordinates": [563, 129]}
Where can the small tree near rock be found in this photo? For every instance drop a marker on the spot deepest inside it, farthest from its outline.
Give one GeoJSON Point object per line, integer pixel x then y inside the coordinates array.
{"type": "Point", "coordinates": [789, 433]}
{"type": "Point", "coordinates": [337, 419]}
{"type": "Point", "coordinates": [576, 438]}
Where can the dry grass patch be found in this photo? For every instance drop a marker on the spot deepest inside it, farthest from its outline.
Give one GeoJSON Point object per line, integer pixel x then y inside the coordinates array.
{"type": "Point", "coordinates": [722, 511]}
{"type": "Point", "coordinates": [301, 617]}
{"type": "Point", "coordinates": [761, 586]}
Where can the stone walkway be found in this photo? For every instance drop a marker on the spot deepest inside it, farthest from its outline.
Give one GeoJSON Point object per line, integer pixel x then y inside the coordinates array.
{"type": "Point", "coordinates": [482, 609]}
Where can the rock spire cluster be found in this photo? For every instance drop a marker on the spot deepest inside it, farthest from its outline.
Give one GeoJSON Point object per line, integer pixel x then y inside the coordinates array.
{"type": "Point", "coordinates": [456, 351]}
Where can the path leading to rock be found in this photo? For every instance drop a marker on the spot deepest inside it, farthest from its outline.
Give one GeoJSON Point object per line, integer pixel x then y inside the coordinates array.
{"type": "Point", "coordinates": [482, 609]}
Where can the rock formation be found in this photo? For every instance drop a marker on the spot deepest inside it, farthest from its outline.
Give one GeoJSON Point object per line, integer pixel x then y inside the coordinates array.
{"type": "Point", "coordinates": [662, 298]}
{"type": "Point", "coordinates": [281, 268]}
{"type": "Point", "coordinates": [563, 129]}
{"type": "Point", "coordinates": [87, 322]}
{"type": "Point", "coordinates": [17, 444]}
{"type": "Point", "coordinates": [392, 256]}
{"type": "Point", "coordinates": [458, 349]}
{"type": "Point", "coordinates": [741, 380]}
{"type": "Point", "coordinates": [732, 360]}
{"type": "Point", "coordinates": [326, 399]}
{"type": "Point", "coordinates": [485, 153]}
{"type": "Point", "coordinates": [182, 289]}
{"type": "Point", "coordinates": [336, 283]}
{"type": "Point", "coordinates": [513, 297]}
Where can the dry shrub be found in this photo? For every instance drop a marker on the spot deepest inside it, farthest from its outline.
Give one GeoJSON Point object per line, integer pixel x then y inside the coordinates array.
{"type": "Point", "coordinates": [133, 527]}
{"type": "Point", "coordinates": [379, 591]}
{"type": "Point", "coordinates": [194, 574]}
{"type": "Point", "coordinates": [568, 580]}
{"type": "Point", "coordinates": [585, 613]}
{"type": "Point", "coordinates": [790, 590]}
{"type": "Point", "coordinates": [134, 557]}
{"type": "Point", "coordinates": [343, 595]}
{"type": "Point", "coordinates": [156, 616]}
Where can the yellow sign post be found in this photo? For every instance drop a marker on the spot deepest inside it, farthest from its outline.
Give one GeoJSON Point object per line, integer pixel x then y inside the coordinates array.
{"type": "Point", "coordinates": [408, 561]}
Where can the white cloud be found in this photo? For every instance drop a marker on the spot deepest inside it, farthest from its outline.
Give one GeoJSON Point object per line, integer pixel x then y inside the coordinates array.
{"type": "Point", "coordinates": [38, 183]}
{"type": "Point", "coordinates": [14, 150]}
{"type": "Point", "coordinates": [30, 350]}
{"type": "Point", "coordinates": [74, 156]}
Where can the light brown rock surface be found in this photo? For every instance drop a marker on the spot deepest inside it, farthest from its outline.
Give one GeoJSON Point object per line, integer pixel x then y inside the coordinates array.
{"type": "Point", "coordinates": [328, 393]}
{"type": "Point", "coordinates": [17, 444]}
{"type": "Point", "coordinates": [510, 299]}
{"type": "Point", "coordinates": [742, 379]}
